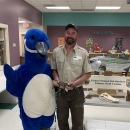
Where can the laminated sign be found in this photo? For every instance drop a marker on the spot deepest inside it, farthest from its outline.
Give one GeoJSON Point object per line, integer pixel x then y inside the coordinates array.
{"type": "Point", "coordinates": [108, 82]}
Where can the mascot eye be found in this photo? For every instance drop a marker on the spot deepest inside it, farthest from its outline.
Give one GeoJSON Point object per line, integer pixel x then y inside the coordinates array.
{"type": "Point", "coordinates": [32, 37]}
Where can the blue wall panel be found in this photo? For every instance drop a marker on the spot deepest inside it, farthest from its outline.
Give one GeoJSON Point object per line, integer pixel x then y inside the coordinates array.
{"type": "Point", "coordinates": [86, 19]}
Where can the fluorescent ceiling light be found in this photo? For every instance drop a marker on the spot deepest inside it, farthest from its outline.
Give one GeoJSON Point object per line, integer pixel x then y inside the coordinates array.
{"type": "Point", "coordinates": [58, 7]}
{"type": "Point", "coordinates": [107, 7]}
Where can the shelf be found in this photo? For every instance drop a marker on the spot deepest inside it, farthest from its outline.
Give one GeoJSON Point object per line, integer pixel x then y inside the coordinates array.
{"type": "Point", "coordinates": [103, 54]}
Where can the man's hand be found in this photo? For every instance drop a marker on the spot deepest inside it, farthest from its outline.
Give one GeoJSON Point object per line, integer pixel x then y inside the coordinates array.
{"type": "Point", "coordinates": [56, 83]}
{"type": "Point", "coordinates": [71, 86]}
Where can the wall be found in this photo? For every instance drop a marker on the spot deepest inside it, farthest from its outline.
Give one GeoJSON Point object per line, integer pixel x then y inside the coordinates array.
{"type": "Point", "coordinates": [87, 19]}
{"type": "Point", "coordinates": [105, 41]}
{"type": "Point", "coordinates": [10, 10]}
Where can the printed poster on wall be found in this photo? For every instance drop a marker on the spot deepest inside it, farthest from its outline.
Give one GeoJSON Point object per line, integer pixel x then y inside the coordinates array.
{"type": "Point", "coordinates": [89, 42]}
{"type": "Point", "coordinates": [60, 41]}
{"type": "Point", "coordinates": [118, 44]}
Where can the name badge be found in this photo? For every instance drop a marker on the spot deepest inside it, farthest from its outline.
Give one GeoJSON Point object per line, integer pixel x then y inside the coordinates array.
{"type": "Point", "coordinates": [77, 58]}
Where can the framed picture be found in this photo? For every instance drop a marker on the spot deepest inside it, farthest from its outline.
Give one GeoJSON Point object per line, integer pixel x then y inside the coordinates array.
{"type": "Point", "coordinates": [118, 43]}
{"type": "Point", "coordinates": [60, 41]}
{"type": "Point", "coordinates": [89, 42]}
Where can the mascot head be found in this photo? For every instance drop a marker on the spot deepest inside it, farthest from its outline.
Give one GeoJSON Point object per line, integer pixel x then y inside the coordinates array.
{"type": "Point", "coordinates": [36, 44]}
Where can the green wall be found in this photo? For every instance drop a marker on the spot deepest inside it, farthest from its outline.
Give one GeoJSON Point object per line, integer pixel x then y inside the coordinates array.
{"type": "Point", "coordinates": [86, 19]}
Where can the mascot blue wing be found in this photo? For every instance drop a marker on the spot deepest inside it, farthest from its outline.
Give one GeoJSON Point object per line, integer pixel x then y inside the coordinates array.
{"type": "Point", "coordinates": [12, 82]}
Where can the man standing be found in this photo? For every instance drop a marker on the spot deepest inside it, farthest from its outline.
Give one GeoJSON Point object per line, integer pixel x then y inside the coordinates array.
{"type": "Point", "coordinates": [70, 65]}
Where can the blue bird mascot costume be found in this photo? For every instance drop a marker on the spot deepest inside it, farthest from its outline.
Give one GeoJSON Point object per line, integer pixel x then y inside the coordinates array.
{"type": "Point", "coordinates": [32, 83]}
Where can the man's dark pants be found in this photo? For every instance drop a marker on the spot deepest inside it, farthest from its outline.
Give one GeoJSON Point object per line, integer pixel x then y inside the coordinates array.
{"type": "Point", "coordinates": [73, 99]}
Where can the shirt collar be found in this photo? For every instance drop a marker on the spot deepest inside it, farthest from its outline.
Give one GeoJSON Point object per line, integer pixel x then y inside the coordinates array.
{"type": "Point", "coordinates": [75, 48]}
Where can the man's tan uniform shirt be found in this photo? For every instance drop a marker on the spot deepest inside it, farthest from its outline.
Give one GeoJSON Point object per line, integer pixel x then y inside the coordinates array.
{"type": "Point", "coordinates": [70, 67]}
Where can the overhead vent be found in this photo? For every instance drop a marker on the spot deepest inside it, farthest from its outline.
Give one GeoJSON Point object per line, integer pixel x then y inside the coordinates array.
{"type": "Point", "coordinates": [128, 1]}
{"type": "Point", "coordinates": [82, 9]}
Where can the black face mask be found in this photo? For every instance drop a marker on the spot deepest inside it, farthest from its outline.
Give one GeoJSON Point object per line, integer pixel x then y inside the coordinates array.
{"type": "Point", "coordinates": [70, 41]}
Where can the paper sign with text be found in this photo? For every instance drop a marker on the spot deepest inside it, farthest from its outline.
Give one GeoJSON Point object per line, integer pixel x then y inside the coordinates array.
{"type": "Point", "coordinates": [108, 82]}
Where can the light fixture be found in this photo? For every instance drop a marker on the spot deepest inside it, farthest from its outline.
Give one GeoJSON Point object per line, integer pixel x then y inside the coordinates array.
{"type": "Point", "coordinates": [107, 7]}
{"type": "Point", "coordinates": [57, 7]}
{"type": "Point", "coordinates": [21, 21]}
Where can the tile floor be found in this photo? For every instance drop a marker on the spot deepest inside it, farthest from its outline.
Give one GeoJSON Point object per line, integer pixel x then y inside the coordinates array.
{"type": "Point", "coordinates": [9, 120]}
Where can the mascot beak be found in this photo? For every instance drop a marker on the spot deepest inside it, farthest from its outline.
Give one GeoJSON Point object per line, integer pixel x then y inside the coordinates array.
{"type": "Point", "coordinates": [41, 48]}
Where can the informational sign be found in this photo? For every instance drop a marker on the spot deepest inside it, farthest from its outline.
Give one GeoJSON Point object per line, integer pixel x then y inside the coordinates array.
{"type": "Point", "coordinates": [89, 42]}
{"type": "Point", "coordinates": [106, 32]}
{"type": "Point", "coordinates": [60, 41]}
{"type": "Point", "coordinates": [108, 82]}
{"type": "Point", "coordinates": [26, 24]}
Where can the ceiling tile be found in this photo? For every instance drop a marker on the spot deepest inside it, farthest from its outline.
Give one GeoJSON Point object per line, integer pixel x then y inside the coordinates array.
{"type": "Point", "coordinates": [75, 6]}
{"type": "Point", "coordinates": [103, 4]}
{"type": "Point", "coordinates": [73, 0]}
{"type": "Point", "coordinates": [127, 5]}
{"type": "Point", "coordinates": [59, 0]}
{"type": "Point", "coordinates": [89, 3]}
{"type": "Point", "coordinates": [123, 11]}
{"type": "Point", "coordinates": [46, 2]}
{"type": "Point", "coordinates": [89, 0]}
{"type": "Point", "coordinates": [97, 10]}
{"type": "Point", "coordinates": [111, 10]}
{"type": "Point", "coordinates": [104, 1]}
{"type": "Point", "coordinates": [60, 4]}
{"type": "Point", "coordinates": [118, 2]}
{"type": "Point", "coordinates": [68, 10]}
{"type": "Point", "coordinates": [31, 0]}
{"type": "Point", "coordinates": [76, 2]}
{"type": "Point", "coordinates": [122, 8]}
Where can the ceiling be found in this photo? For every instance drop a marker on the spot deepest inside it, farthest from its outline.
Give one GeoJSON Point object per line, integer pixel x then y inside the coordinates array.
{"type": "Point", "coordinates": [80, 5]}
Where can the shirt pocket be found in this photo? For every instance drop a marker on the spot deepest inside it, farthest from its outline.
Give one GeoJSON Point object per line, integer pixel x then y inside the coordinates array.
{"type": "Point", "coordinates": [59, 63]}
{"type": "Point", "coordinates": [77, 66]}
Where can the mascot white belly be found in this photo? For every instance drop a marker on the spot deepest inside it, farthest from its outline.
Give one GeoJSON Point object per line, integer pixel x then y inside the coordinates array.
{"type": "Point", "coordinates": [39, 97]}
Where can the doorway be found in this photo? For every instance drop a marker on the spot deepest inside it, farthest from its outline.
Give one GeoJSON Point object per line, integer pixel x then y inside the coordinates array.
{"type": "Point", "coordinates": [4, 45]}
